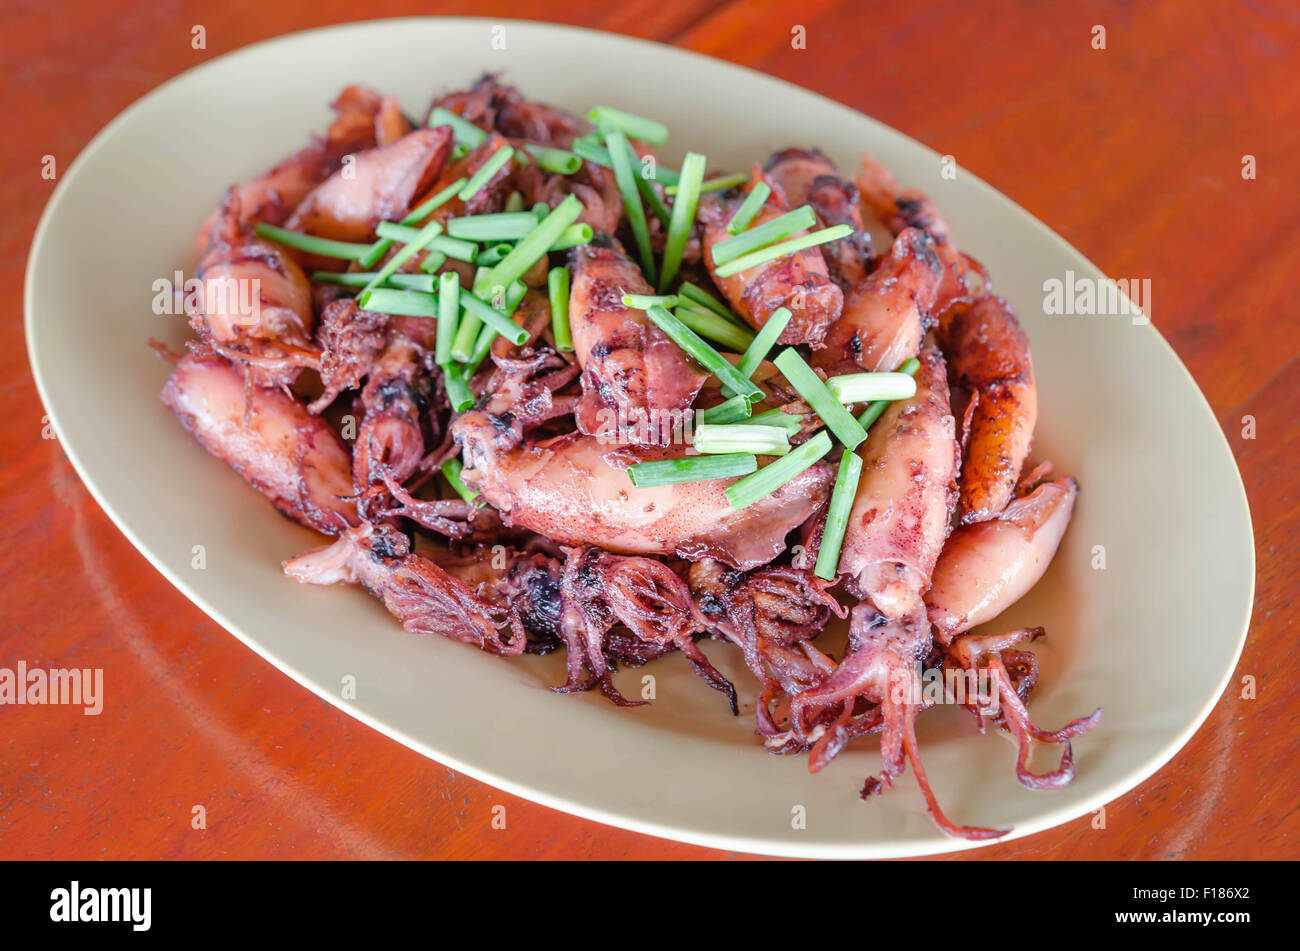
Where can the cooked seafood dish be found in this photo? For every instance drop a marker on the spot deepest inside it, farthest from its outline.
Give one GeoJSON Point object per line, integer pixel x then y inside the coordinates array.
{"type": "Point", "coordinates": [540, 391]}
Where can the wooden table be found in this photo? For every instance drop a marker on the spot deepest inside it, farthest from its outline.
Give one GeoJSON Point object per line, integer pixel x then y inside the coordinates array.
{"type": "Point", "coordinates": [1133, 153]}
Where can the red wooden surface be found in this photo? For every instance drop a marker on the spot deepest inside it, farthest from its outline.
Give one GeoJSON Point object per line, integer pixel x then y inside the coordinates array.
{"type": "Point", "coordinates": [1133, 153]}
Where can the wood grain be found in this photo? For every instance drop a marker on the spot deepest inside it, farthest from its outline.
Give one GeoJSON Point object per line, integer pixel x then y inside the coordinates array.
{"type": "Point", "coordinates": [1133, 153]}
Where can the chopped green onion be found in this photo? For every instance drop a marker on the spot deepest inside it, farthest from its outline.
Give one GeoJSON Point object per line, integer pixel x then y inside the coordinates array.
{"type": "Point", "coordinates": [487, 333]}
{"type": "Point", "coordinates": [699, 469]}
{"type": "Point", "coordinates": [557, 286]}
{"type": "Point", "coordinates": [540, 210]}
{"type": "Point", "coordinates": [703, 354]}
{"type": "Point", "coordinates": [750, 207]}
{"type": "Point", "coordinates": [406, 303]}
{"type": "Point", "coordinates": [652, 199]}
{"type": "Point", "coordinates": [708, 324]}
{"type": "Point", "coordinates": [646, 301]}
{"type": "Point", "coordinates": [837, 516]}
{"type": "Point", "coordinates": [451, 470]}
{"type": "Point", "coordinates": [462, 348]}
{"type": "Point", "coordinates": [589, 149]}
{"type": "Point", "coordinates": [771, 477]}
{"type": "Point", "coordinates": [505, 226]}
{"type": "Point", "coordinates": [763, 341]}
{"type": "Point", "coordinates": [489, 168]}
{"type": "Point", "coordinates": [495, 319]}
{"type": "Point", "coordinates": [728, 411]}
{"type": "Point", "coordinates": [698, 295]}
{"type": "Point", "coordinates": [458, 393]}
{"type": "Point", "coordinates": [344, 250]}
{"type": "Point", "coordinates": [573, 236]}
{"type": "Point", "coordinates": [874, 411]}
{"type": "Point", "coordinates": [824, 236]}
{"type": "Point", "coordinates": [410, 282]}
{"type": "Point", "coordinates": [457, 248]}
{"type": "Point", "coordinates": [459, 151]}
{"type": "Point", "coordinates": [632, 126]}
{"type": "Point", "coordinates": [514, 202]}
{"type": "Point", "coordinates": [716, 184]}
{"type": "Point", "coordinates": [448, 316]}
{"type": "Point", "coordinates": [865, 387]}
{"type": "Point", "coordinates": [559, 161]}
{"type": "Point", "coordinates": [422, 238]}
{"type": "Point", "coordinates": [626, 180]}
{"type": "Point", "coordinates": [492, 255]}
{"type": "Point", "coordinates": [464, 131]}
{"type": "Point", "coordinates": [534, 247]}
{"type": "Point", "coordinates": [817, 395]}
{"type": "Point", "coordinates": [790, 422]}
{"type": "Point", "coordinates": [432, 261]}
{"type": "Point", "coordinates": [683, 217]}
{"type": "Point", "coordinates": [418, 214]}
{"type": "Point", "coordinates": [763, 235]}
{"type": "Point", "coordinates": [713, 438]}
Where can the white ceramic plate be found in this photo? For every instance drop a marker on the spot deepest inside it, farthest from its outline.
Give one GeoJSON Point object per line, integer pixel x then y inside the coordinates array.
{"type": "Point", "coordinates": [1153, 637]}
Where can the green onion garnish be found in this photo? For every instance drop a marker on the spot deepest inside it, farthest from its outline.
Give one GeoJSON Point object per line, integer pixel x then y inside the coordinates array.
{"type": "Point", "coordinates": [456, 248]}
{"type": "Point", "coordinates": [703, 354]}
{"type": "Point", "coordinates": [487, 333]}
{"type": "Point", "coordinates": [418, 242]}
{"type": "Point", "coordinates": [448, 316]}
{"type": "Point", "coordinates": [698, 295]}
{"type": "Point", "coordinates": [489, 168]}
{"type": "Point", "coordinates": [728, 411]}
{"type": "Point", "coordinates": [432, 261]}
{"type": "Point", "coordinates": [771, 477]}
{"type": "Point", "coordinates": [458, 393]}
{"type": "Point", "coordinates": [505, 226]}
{"type": "Point", "coordinates": [632, 126]}
{"type": "Point", "coordinates": [817, 395]}
{"type": "Point", "coordinates": [625, 177]}
{"type": "Point", "coordinates": [492, 255]}
{"type": "Point", "coordinates": [864, 387]}
{"type": "Point", "coordinates": [514, 202]}
{"type": "Point", "coordinates": [644, 475]}
{"type": "Point", "coordinates": [451, 470]}
{"type": "Point", "coordinates": [491, 317]}
{"type": "Point", "coordinates": [708, 324]}
{"type": "Point", "coordinates": [381, 300]}
{"type": "Point", "coordinates": [418, 214]}
{"type": "Point", "coordinates": [589, 149]}
{"type": "Point", "coordinates": [557, 286]}
{"type": "Point", "coordinates": [532, 248]}
{"type": "Point", "coordinates": [713, 438]}
{"type": "Point", "coordinates": [462, 348]}
{"type": "Point", "coordinates": [410, 282]}
{"type": "Point", "coordinates": [683, 217]}
{"type": "Point", "coordinates": [573, 236]}
{"type": "Point", "coordinates": [344, 250]}
{"type": "Point", "coordinates": [763, 235]}
{"type": "Point", "coordinates": [646, 301]}
{"type": "Point", "coordinates": [763, 341]}
{"type": "Point", "coordinates": [874, 411]}
{"type": "Point", "coordinates": [560, 161]}
{"type": "Point", "coordinates": [716, 184]}
{"type": "Point", "coordinates": [837, 516]}
{"type": "Point", "coordinates": [462, 130]}
{"type": "Point", "coordinates": [790, 422]}
{"type": "Point", "coordinates": [824, 236]}
{"type": "Point", "coordinates": [750, 207]}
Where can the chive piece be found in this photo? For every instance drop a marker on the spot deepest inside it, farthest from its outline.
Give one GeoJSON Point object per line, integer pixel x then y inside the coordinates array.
{"type": "Point", "coordinates": [540, 210]}
{"type": "Point", "coordinates": [464, 131]}
{"type": "Point", "coordinates": [451, 470]}
{"type": "Point", "coordinates": [874, 411]}
{"type": "Point", "coordinates": [630, 125]}
{"type": "Point", "coordinates": [763, 235]}
{"type": "Point", "coordinates": [574, 235]}
{"type": "Point", "coordinates": [653, 201]}
{"type": "Point", "coordinates": [557, 286]}
{"type": "Point", "coordinates": [698, 295]}
{"type": "Point", "coordinates": [683, 217]}
{"type": "Point", "coordinates": [817, 395]}
{"type": "Point", "coordinates": [646, 301]}
{"type": "Point", "coordinates": [456, 248]}
{"type": "Point", "coordinates": [837, 516]}
{"type": "Point", "coordinates": [534, 247]}
{"type": "Point", "coordinates": [771, 477]}
{"type": "Point", "coordinates": [867, 387]}
{"type": "Point", "coordinates": [716, 184]}
{"type": "Point", "coordinates": [492, 255]}
{"type": "Point", "coordinates": [790, 422]}
{"type": "Point", "coordinates": [713, 438]}
{"type": "Point", "coordinates": [824, 236]}
{"type": "Point", "coordinates": [491, 317]}
{"type": "Point", "coordinates": [750, 207]}
{"type": "Point", "coordinates": [417, 244]}
{"type": "Point", "coordinates": [487, 333]}
{"type": "Point", "coordinates": [406, 303]}
{"type": "Point", "coordinates": [448, 316]}
{"type": "Point", "coordinates": [410, 282]}
{"type": "Point", "coordinates": [624, 175]}
{"type": "Point", "coordinates": [458, 393]}
{"type": "Point", "coordinates": [344, 250]}
{"type": "Point", "coordinates": [644, 475]}
{"type": "Point", "coordinates": [505, 226]}
{"type": "Point", "coordinates": [489, 168]}
{"type": "Point", "coordinates": [708, 324]}
{"type": "Point", "coordinates": [728, 411]}
{"type": "Point", "coordinates": [763, 341]}
{"type": "Point", "coordinates": [589, 149]}
{"type": "Point", "coordinates": [560, 161]}
{"type": "Point", "coordinates": [430, 205]}
{"type": "Point", "coordinates": [432, 261]}
{"type": "Point", "coordinates": [703, 354]}
{"type": "Point", "coordinates": [514, 202]}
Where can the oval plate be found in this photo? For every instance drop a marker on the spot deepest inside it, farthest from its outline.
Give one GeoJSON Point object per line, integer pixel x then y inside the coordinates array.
{"type": "Point", "coordinates": [1153, 637]}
